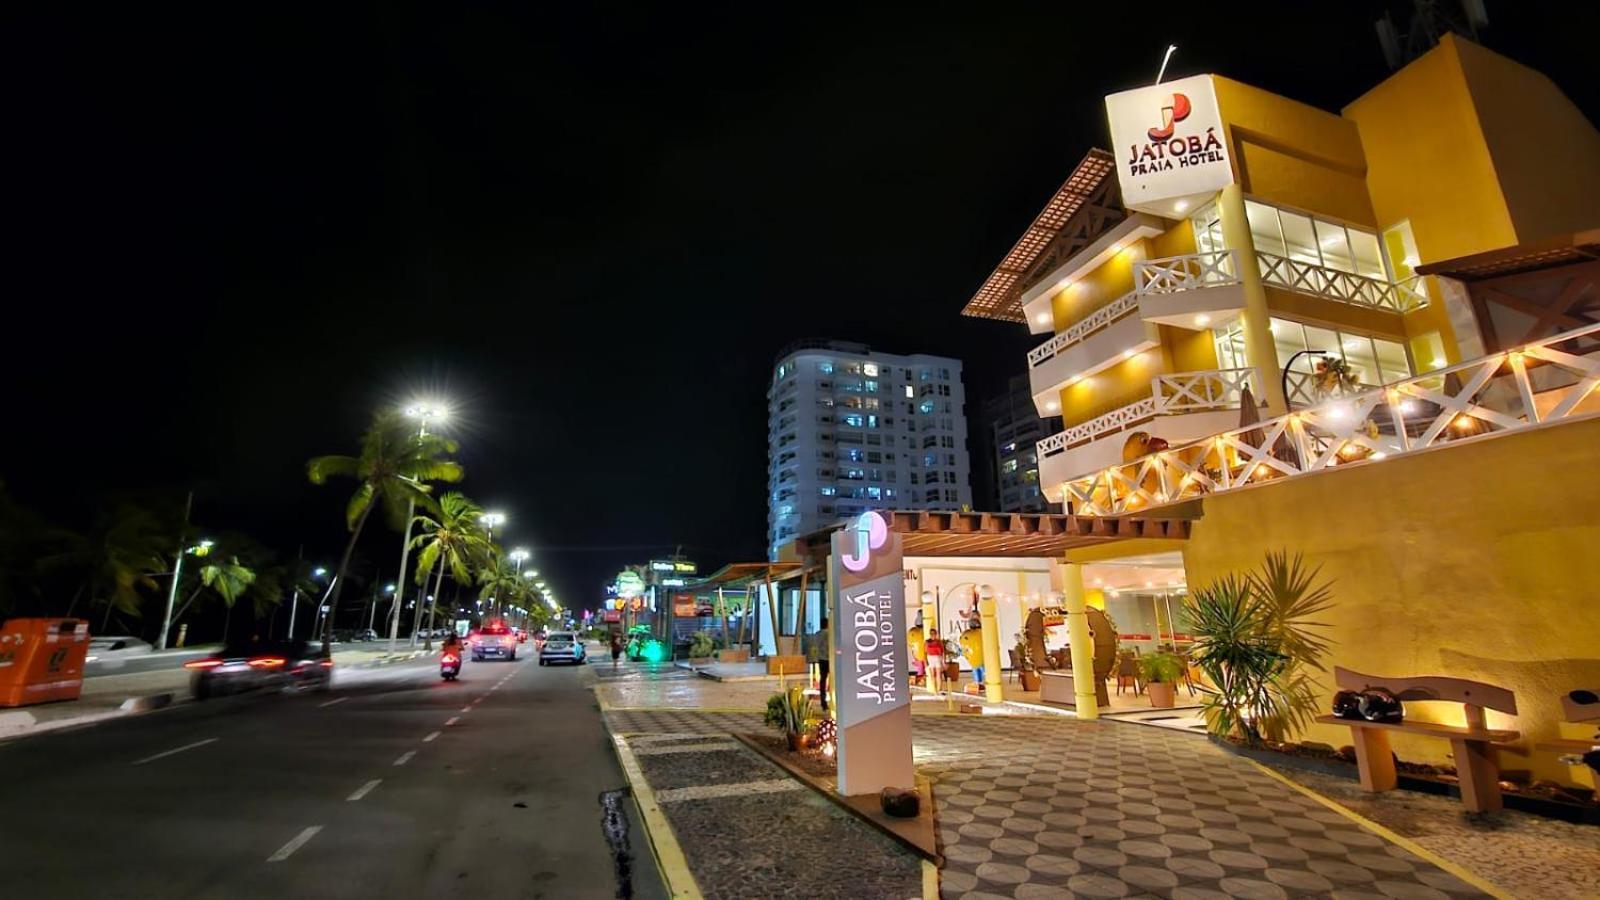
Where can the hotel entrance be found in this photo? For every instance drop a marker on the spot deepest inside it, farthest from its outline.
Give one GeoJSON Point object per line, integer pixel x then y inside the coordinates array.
{"type": "Point", "coordinates": [1145, 597]}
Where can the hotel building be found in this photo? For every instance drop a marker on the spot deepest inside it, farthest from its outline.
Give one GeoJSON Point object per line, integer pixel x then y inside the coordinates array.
{"type": "Point", "coordinates": [1370, 336]}
{"type": "Point", "coordinates": [851, 429]}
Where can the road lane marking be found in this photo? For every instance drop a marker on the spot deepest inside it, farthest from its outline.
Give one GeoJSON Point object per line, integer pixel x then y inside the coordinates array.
{"type": "Point", "coordinates": [467, 708]}
{"type": "Point", "coordinates": [405, 757]}
{"type": "Point", "coordinates": [365, 789]}
{"type": "Point", "coordinates": [332, 702]}
{"type": "Point", "coordinates": [430, 737]}
{"type": "Point", "coordinates": [177, 750]}
{"type": "Point", "coordinates": [451, 721]}
{"type": "Point", "coordinates": [295, 843]}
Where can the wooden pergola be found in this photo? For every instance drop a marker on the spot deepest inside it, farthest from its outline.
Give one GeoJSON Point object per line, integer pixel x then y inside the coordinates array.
{"type": "Point", "coordinates": [935, 533]}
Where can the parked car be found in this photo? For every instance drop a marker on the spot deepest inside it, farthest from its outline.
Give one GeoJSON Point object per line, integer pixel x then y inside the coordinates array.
{"type": "Point", "coordinates": [365, 634]}
{"type": "Point", "coordinates": [284, 665]}
{"type": "Point", "coordinates": [562, 646]}
{"type": "Point", "coordinates": [109, 650]}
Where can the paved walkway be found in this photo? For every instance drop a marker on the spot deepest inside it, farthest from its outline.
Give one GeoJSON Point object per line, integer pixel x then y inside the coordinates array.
{"type": "Point", "coordinates": [1055, 807]}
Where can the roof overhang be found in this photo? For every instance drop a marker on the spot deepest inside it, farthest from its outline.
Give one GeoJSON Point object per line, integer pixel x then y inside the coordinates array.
{"type": "Point", "coordinates": [1562, 250]}
{"type": "Point", "coordinates": [997, 298]}
{"type": "Point", "coordinates": [1036, 300]}
{"type": "Point", "coordinates": [932, 533]}
{"type": "Point", "coordinates": [746, 573]}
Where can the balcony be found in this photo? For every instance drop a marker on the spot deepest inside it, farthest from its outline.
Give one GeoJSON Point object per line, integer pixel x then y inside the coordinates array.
{"type": "Point", "coordinates": [1101, 340]}
{"type": "Point", "coordinates": [1189, 291]}
{"type": "Point", "coordinates": [1544, 383]}
{"type": "Point", "coordinates": [1181, 407]}
{"type": "Point", "coordinates": [1344, 287]}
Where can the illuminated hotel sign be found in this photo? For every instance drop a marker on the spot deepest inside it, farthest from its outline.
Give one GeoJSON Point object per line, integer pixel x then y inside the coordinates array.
{"type": "Point", "coordinates": [868, 618]}
{"type": "Point", "coordinates": [1169, 143]}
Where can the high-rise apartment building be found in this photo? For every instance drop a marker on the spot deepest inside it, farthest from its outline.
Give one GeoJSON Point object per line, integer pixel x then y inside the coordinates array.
{"type": "Point", "coordinates": [850, 429]}
{"type": "Point", "coordinates": [1012, 427]}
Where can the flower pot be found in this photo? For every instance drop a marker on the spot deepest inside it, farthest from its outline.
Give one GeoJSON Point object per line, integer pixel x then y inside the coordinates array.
{"type": "Point", "coordinates": [1162, 694]}
{"type": "Point", "coordinates": [1030, 680]}
{"type": "Point", "coordinates": [952, 671]}
{"type": "Point", "coordinates": [732, 655]}
{"type": "Point", "coordinates": [797, 741]}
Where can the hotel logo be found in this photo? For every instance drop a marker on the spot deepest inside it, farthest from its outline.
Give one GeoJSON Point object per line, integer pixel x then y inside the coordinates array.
{"type": "Point", "coordinates": [1170, 144]}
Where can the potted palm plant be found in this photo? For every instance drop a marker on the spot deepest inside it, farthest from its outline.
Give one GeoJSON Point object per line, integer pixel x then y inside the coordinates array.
{"type": "Point", "coordinates": [790, 711]}
{"type": "Point", "coordinates": [1160, 672]}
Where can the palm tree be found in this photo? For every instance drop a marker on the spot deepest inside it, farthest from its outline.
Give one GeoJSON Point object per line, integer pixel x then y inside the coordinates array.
{"type": "Point", "coordinates": [393, 470]}
{"type": "Point", "coordinates": [454, 538]}
{"type": "Point", "coordinates": [500, 583]}
{"type": "Point", "coordinates": [120, 556]}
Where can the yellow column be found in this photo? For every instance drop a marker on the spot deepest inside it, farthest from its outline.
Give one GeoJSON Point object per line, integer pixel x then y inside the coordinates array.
{"type": "Point", "coordinates": [988, 614]}
{"type": "Point", "coordinates": [1259, 349]}
{"type": "Point", "coordinates": [1081, 644]}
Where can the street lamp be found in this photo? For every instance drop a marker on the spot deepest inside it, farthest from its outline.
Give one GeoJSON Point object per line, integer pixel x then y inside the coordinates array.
{"type": "Point", "coordinates": [294, 601]}
{"type": "Point", "coordinates": [200, 549]}
{"type": "Point", "coordinates": [424, 412]}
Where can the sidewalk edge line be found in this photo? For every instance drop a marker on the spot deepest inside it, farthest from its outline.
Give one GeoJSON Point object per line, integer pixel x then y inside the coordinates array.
{"type": "Point", "coordinates": [670, 861]}
{"type": "Point", "coordinates": [1453, 868]}
{"type": "Point", "coordinates": [930, 881]}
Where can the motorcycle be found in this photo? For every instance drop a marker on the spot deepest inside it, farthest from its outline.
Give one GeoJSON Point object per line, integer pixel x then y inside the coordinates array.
{"type": "Point", "coordinates": [450, 665]}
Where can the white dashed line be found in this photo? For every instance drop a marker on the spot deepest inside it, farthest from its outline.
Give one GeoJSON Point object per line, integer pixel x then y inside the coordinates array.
{"type": "Point", "coordinates": [430, 737]}
{"type": "Point", "coordinates": [467, 708]}
{"type": "Point", "coordinates": [365, 789]}
{"type": "Point", "coordinates": [451, 721]}
{"type": "Point", "coordinates": [295, 843]}
{"type": "Point", "coordinates": [175, 750]}
{"type": "Point", "coordinates": [405, 757]}
{"type": "Point", "coordinates": [332, 702]}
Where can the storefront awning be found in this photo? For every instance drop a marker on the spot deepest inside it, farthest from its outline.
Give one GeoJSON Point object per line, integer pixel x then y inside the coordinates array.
{"type": "Point", "coordinates": [930, 533]}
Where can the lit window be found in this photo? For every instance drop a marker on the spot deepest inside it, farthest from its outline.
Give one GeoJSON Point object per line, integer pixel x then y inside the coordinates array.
{"type": "Point", "coordinates": [825, 368]}
{"type": "Point", "coordinates": [852, 419]}
{"type": "Point", "coordinates": [927, 406]}
{"type": "Point", "coordinates": [870, 369]}
{"type": "Point", "coordinates": [910, 391]}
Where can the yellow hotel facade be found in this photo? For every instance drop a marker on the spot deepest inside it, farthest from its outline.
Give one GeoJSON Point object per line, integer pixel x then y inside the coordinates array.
{"type": "Point", "coordinates": [1371, 337]}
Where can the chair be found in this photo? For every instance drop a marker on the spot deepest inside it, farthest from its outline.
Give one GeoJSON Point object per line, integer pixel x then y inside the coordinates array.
{"type": "Point", "coordinates": [1128, 675]}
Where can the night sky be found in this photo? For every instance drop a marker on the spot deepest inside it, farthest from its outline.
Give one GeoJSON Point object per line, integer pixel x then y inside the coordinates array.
{"type": "Point", "coordinates": [234, 234]}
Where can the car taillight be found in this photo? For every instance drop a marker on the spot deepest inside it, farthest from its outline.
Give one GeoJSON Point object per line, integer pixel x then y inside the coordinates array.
{"type": "Point", "coordinates": [202, 664]}
{"type": "Point", "coordinates": [267, 662]}
{"type": "Point", "coordinates": [327, 664]}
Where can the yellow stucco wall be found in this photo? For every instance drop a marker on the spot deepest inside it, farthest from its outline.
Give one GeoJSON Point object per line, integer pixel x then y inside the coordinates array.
{"type": "Point", "coordinates": [1287, 152]}
{"type": "Point", "coordinates": [1476, 561]}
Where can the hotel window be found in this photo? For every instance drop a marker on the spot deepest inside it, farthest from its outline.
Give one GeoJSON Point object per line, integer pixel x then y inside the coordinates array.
{"type": "Point", "coordinates": [1207, 229]}
{"type": "Point", "coordinates": [1374, 361]}
{"type": "Point", "coordinates": [910, 392]}
{"type": "Point", "coordinates": [825, 368]}
{"type": "Point", "coordinates": [851, 419]}
{"type": "Point", "coordinates": [1320, 242]}
{"type": "Point", "coordinates": [926, 407]}
{"type": "Point", "coordinates": [827, 491]}
{"type": "Point", "coordinates": [870, 369]}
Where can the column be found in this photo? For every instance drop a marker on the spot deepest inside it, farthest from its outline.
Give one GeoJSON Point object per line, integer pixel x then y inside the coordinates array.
{"type": "Point", "coordinates": [1259, 349]}
{"type": "Point", "coordinates": [988, 614]}
{"type": "Point", "coordinates": [1078, 640]}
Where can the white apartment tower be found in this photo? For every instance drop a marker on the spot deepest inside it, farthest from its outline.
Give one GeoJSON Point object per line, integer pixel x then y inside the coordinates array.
{"type": "Point", "coordinates": [850, 429]}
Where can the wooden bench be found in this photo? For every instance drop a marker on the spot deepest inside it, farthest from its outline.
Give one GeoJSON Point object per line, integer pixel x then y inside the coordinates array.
{"type": "Point", "coordinates": [1472, 745]}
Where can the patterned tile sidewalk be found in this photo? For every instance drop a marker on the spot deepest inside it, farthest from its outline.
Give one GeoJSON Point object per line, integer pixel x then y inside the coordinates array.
{"type": "Point", "coordinates": [1053, 807]}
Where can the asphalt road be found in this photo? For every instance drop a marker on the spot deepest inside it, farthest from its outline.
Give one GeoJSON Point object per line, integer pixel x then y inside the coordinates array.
{"type": "Point", "coordinates": [393, 784]}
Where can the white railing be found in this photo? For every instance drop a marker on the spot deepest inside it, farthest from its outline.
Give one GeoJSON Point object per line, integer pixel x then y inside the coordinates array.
{"type": "Point", "coordinates": [1182, 273]}
{"type": "Point", "coordinates": [1536, 384]}
{"type": "Point", "coordinates": [1305, 390]}
{"type": "Point", "coordinates": [1175, 394]}
{"type": "Point", "coordinates": [1122, 306]}
{"type": "Point", "coordinates": [1183, 392]}
{"type": "Point", "coordinates": [1345, 287]}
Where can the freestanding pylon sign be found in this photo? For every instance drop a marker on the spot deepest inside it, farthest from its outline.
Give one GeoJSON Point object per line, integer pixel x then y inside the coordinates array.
{"type": "Point", "coordinates": [870, 680]}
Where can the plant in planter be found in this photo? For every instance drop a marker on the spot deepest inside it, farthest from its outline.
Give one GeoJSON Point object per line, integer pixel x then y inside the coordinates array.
{"type": "Point", "coordinates": [952, 662]}
{"type": "Point", "coordinates": [1027, 671]}
{"type": "Point", "coordinates": [1257, 641]}
{"type": "Point", "coordinates": [701, 646]}
{"type": "Point", "coordinates": [789, 711]}
{"type": "Point", "coordinates": [1160, 673]}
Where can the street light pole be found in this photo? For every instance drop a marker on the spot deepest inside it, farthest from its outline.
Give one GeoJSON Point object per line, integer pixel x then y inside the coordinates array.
{"type": "Point", "coordinates": [424, 412]}
{"type": "Point", "coordinates": [490, 521]}
{"type": "Point", "coordinates": [177, 570]}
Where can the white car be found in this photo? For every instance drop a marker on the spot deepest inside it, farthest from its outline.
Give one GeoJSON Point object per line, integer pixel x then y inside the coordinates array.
{"type": "Point", "coordinates": [562, 646]}
{"type": "Point", "coordinates": [109, 650]}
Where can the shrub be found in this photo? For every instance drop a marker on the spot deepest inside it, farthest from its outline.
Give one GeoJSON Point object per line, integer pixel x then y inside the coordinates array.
{"type": "Point", "coordinates": [701, 644]}
{"type": "Point", "coordinates": [1256, 642]}
{"type": "Point", "coordinates": [788, 711]}
{"type": "Point", "coordinates": [1160, 668]}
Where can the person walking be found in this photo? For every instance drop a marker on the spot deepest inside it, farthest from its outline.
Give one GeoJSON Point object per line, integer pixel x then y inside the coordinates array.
{"type": "Point", "coordinates": [935, 652]}
{"type": "Point", "coordinates": [817, 655]}
{"type": "Point", "coordinates": [616, 648]}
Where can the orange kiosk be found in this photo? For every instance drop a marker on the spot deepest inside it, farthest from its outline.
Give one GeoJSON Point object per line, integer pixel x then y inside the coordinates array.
{"type": "Point", "coordinates": [42, 660]}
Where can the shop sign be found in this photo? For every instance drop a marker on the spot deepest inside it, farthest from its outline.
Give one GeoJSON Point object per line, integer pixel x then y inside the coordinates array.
{"type": "Point", "coordinates": [686, 568]}
{"type": "Point", "coordinates": [629, 584]}
{"type": "Point", "coordinates": [1169, 143]}
{"type": "Point", "coordinates": [611, 615]}
{"type": "Point", "coordinates": [870, 667]}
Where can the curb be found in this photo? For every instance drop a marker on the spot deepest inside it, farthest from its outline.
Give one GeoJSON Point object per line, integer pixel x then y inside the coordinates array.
{"type": "Point", "coordinates": [148, 702]}
{"type": "Point", "coordinates": [670, 861]}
